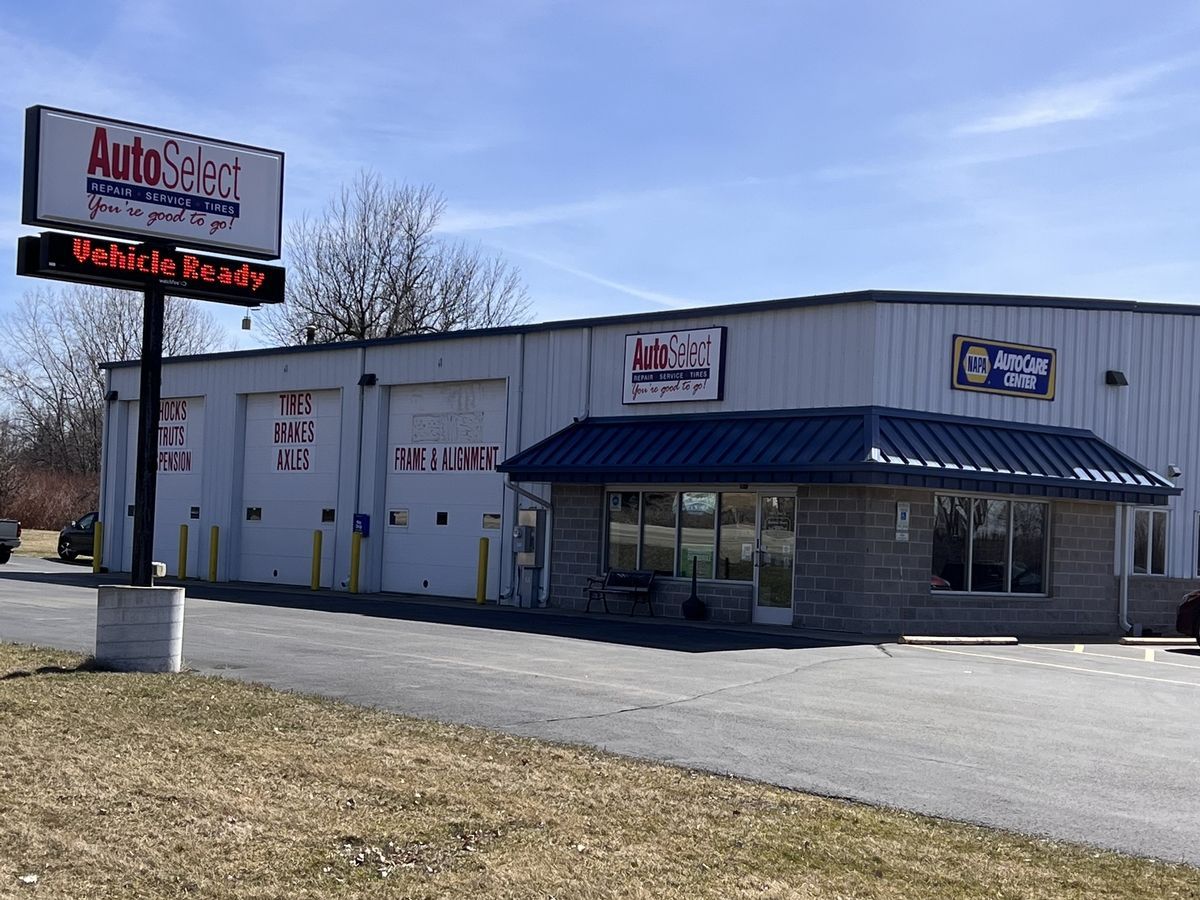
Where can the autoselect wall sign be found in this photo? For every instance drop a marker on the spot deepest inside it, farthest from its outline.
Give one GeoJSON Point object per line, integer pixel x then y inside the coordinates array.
{"type": "Point", "coordinates": [180, 273]}
{"type": "Point", "coordinates": [103, 176]}
{"type": "Point", "coordinates": [997, 367]}
{"type": "Point", "coordinates": [669, 366]}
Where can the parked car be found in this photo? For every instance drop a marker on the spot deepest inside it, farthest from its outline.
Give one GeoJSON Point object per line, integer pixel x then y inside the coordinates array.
{"type": "Point", "coordinates": [10, 538]}
{"type": "Point", "coordinates": [1187, 619]}
{"type": "Point", "coordinates": [77, 538]}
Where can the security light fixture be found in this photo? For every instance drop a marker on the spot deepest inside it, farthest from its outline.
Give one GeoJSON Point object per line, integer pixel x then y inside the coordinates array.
{"type": "Point", "coordinates": [110, 397]}
{"type": "Point", "coordinates": [367, 379]}
{"type": "Point", "coordinates": [1115, 377]}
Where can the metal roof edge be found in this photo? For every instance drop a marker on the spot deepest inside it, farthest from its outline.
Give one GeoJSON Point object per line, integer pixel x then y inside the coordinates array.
{"type": "Point", "coordinates": [748, 307]}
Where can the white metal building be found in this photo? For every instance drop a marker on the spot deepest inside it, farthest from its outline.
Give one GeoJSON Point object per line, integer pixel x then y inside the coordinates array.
{"type": "Point", "coordinates": [953, 460]}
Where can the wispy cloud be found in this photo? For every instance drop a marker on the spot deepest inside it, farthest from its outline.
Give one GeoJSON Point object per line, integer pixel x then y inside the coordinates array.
{"type": "Point", "coordinates": [1076, 101]}
{"type": "Point", "coordinates": [465, 219]}
{"type": "Point", "coordinates": [667, 300]}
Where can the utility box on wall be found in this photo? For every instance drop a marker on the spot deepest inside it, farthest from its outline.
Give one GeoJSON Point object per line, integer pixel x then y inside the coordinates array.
{"type": "Point", "coordinates": [529, 538]}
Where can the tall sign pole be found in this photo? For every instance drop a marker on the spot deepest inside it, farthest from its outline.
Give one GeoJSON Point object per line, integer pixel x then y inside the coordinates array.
{"type": "Point", "coordinates": [146, 488]}
{"type": "Point", "coordinates": [166, 190]}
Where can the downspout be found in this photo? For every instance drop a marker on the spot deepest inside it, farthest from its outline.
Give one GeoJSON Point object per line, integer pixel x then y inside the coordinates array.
{"type": "Point", "coordinates": [362, 389]}
{"type": "Point", "coordinates": [1123, 590]}
{"type": "Point", "coordinates": [512, 572]}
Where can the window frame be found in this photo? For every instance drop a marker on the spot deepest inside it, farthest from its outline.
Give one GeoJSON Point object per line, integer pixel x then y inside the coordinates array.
{"type": "Point", "coordinates": [1012, 501]}
{"type": "Point", "coordinates": [1151, 512]}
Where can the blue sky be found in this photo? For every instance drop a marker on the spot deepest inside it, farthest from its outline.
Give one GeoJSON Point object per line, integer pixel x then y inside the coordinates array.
{"type": "Point", "coordinates": [633, 156]}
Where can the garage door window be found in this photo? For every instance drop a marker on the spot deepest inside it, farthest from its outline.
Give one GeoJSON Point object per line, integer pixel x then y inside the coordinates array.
{"type": "Point", "coordinates": [989, 546]}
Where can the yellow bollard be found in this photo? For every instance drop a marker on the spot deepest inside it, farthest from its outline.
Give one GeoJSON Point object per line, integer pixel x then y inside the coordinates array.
{"type": "Point", "coordinates": [97, 547]}
{"type": "Point", "coordinates": [316, 564]}
{"type": "Point", "coordinates": [355, 553]}
{"type": "Point", "coordinates": [214, 536]}
{"type": "Point", "coordinates": [481, 575]}
{"type": "Point", "coordinates": [183, 549]}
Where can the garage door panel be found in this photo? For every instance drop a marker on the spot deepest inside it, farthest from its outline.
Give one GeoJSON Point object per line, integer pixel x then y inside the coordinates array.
{"type": "Point", "coordinates": [290, 476]}
{"type": "Point", "coordinates": [444, 443]}
{"type": "Point", "coordinates": [178, 480]}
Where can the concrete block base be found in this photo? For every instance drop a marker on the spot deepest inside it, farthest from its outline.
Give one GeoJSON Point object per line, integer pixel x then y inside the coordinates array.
{"type": "Point", "coordinates": [139, 629]}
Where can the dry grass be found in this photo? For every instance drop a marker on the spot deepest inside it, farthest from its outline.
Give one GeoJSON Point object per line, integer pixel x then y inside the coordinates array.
{"type": "Point", "coordinates": [137, 786]}
{"type": "Point", "coordinates": [37, 543]}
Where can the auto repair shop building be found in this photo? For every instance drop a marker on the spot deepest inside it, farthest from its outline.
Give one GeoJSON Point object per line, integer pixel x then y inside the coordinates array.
{"type": "Point", "coordinates": [867, 462]}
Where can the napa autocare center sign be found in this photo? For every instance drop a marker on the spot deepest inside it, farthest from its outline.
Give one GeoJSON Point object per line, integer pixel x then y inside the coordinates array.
{"type": "Point", "coordinates": [670, 366]}
{"type": "Point", "coordinates": [998, 367]}
{"type": "Point", "coordinates": [104, 176]}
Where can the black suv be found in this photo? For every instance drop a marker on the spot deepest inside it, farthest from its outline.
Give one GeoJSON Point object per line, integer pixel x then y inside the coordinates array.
{"type": "Point", "coordinates": [77, 538]}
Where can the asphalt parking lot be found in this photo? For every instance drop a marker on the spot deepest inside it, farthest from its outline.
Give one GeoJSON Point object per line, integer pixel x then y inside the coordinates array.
{"type": "Point", "coordinates": [1090, 742]}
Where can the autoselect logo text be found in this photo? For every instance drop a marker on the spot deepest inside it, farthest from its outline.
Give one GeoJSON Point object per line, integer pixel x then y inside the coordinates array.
{"type": "Point", "coordinates": [674, 365]}
{"type": "Point", "coordinates": [164, 173]}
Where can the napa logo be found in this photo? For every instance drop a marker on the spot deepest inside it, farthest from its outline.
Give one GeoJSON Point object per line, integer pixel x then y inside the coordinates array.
{"type": "Point", "coordinates": [999, 367]}
{"type": "Point", "coordinates": [976, 364]}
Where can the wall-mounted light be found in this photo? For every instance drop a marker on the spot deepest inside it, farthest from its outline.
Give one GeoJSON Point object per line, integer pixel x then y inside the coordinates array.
{"type": "Point", "coordinates": [367, 379]}
{"type": "Point", "coordinates": [110, 396]}
{"type": "Point", "coordinates": [1174, 471]}
{"type": "Point", "coordinates": [1115, 377]}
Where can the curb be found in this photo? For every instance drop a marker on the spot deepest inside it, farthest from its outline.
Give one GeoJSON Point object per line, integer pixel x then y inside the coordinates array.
{"type": "Point", "coordinates": [959, 640]}
{"type": "Point", "coordinates": [1156, 641]}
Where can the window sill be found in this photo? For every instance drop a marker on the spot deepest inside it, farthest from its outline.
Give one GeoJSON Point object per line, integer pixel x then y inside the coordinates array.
{"type": "Point", "coordinates": [978, 595]}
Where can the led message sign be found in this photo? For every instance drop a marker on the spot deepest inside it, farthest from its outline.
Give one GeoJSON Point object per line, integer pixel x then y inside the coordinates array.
{"type": "Point", "coordinates": [103, 176]}
{"type": "Point", "coordinates": [178, 273]}
{"type": "Point", "coordinates": [668, 366]}
{"type": "Point", "coordinates": [998, 367]}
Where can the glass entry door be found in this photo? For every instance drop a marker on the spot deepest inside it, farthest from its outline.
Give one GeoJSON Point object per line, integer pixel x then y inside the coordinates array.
{"type": "Point", "coordinates": [774, 559]}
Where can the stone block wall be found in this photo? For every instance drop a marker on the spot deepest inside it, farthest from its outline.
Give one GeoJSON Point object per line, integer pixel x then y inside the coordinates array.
{"type": "Point", "coordinates": [1154, 601]}
{"type": "Point", "coordinates": [853, 575]}
{"type": "Point", "coordinates": [576, 542]}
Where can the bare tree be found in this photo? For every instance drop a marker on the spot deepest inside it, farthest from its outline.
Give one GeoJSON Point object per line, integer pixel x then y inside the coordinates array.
{"type": "Point", "coordinates": [50, 370]}
{"type": "Point", "coordinates": [373, 266]}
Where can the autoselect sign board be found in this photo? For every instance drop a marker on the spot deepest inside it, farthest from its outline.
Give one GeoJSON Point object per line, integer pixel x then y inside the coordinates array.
{"type": "Point", "coordinates": [102, 176]}
{"type": "Point", "coordinates": [998, 367]}
{"type": "Point", "coordinates": [180, 273]}
{"type": "Point", "coordinates": [670, 366]}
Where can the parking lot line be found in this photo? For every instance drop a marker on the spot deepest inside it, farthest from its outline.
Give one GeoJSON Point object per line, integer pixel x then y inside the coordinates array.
{"type": "Point", "coordinates": [1034, 662]}
{"type": "Point", "coordinates": [1148, 657]}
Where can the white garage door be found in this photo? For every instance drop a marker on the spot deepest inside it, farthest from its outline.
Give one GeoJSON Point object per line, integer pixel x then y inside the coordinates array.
{"type": "Point", "coordinates": [289, 486]}
{"type": "Point", "coordinates": [443, 490]}
{"type": "Point", "coordinates": [177, 496]}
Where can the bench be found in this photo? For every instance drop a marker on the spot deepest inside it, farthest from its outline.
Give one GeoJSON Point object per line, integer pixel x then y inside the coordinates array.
{"type": "Point", "coordinates": [632, 583]}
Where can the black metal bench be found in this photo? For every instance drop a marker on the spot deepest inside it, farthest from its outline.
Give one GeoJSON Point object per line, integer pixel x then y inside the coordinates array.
{"type": "Point", "coordinates": [632, 583]}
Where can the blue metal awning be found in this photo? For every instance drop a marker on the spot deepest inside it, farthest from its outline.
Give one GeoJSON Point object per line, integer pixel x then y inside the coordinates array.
{"type": "Point", "coordinates": [859, 445]}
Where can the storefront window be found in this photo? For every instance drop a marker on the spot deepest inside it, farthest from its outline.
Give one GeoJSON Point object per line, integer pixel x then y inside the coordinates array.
{"type": "Point", "coordinates": [989, 546]}
{"type": "Point", "coordinates": [697, 530]}
{"type": "Point", "coordinates": [735, 550]}
{"type": "Point", "coordinates": [1028, 549]}
{"type": "Point", "coordinates": [665, 531]}
{"type": "Point", "coordinates": [623, 521]}
{"type": "Point", "coordinates": [951, 529]}
{"type": "Point", "coordinates": [1150, 542]}
{"type": "Point", "coordinates": [658, 533]}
